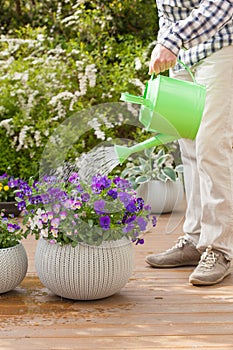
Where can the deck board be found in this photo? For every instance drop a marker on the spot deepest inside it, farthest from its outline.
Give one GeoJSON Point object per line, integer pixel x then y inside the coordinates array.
{"type": "Point", "coordinates": [157, 309]}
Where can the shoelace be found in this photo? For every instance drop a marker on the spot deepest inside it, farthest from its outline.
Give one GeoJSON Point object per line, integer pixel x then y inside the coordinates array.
{"type": "Point", "coordinates": [181, 241]}
{"type": "Point", "coordinates": [208, 258]}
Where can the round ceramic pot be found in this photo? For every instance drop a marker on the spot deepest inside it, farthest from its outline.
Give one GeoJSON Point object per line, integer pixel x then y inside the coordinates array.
{"type": "Point", "coordinates": [163, 197]}
{"type": "Point", "coordinates": [84, 272]}
{"type": "Point", "coordinates": [13, 267]}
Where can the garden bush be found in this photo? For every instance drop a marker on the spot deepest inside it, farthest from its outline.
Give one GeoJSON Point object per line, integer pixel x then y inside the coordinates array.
{"type": "Point", "coordinates": [52, 67]}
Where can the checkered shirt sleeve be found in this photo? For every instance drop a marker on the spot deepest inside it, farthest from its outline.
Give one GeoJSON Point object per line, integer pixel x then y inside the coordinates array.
{"type": "Point", "coordinates": [199, 26]}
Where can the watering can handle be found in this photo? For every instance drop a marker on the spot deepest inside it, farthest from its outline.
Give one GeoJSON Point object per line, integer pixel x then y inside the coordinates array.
{"type": "Point", "coordinates": [186, 67]}
{"type": "Point", "coordinates": [135, 99]}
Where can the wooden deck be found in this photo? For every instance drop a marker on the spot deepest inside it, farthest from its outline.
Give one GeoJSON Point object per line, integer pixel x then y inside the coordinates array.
{"type": "Point", "coordinates": [157, 309]}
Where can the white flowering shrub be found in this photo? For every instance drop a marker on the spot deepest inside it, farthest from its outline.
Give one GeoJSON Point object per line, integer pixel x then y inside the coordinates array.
{"type": "Point", "coordinates": [48, 75]}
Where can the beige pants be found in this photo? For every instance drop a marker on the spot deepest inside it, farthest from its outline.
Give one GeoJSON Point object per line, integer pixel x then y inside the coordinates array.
{"type": "Point", "coordinates": [208, 161]}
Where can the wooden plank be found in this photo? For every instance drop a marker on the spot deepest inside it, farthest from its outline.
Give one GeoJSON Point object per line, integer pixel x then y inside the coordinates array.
{"type": "Point", "coordinates": [85, 329]}
{"type": "Point", "coordinates": [102, 343]}
{"type": "Point", "coordinates": [117, 319]}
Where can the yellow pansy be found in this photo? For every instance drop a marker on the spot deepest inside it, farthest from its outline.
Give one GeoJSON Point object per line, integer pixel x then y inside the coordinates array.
{"type": "Point", "coordinates": [6, 188]}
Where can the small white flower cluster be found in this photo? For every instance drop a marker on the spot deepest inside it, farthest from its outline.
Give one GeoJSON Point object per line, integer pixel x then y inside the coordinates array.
{"type": "Point", "coordinates": [88, 76]}
{"type": "Point", "coordinates": [95, 124]}
{"type": "Point", "coordinates": [49, 84]}
{"type": "Point", "coordinates": [138, 63]}
{"type": "Point", "coordinates": [6, 123]}
{"type": "Point", "coordinates": [138, 83]}
{"type": "Point", "coordinates": [46, 69]}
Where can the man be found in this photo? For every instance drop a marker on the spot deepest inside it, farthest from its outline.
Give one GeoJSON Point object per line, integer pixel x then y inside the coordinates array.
{"type": "Point", "coordinates": [200, 33]}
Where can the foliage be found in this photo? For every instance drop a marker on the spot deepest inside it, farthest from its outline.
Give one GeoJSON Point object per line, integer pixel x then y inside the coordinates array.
{"type": "Point", "coordinates": [71, 211]}
{"type": "Point", "coordinates": [61, 57]}
{"type": "Point", "coordinates": [42, 84]}
{"type": "Point", "coordinates": [11, 232]}
{"type": "Point", "coordinates": [61, 18]}
{"type": "Point", "coordinates": [155, 165]}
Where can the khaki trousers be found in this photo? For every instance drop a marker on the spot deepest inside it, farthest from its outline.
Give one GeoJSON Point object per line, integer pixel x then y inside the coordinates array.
{"type": "Point", "coordinates": [208, 161]}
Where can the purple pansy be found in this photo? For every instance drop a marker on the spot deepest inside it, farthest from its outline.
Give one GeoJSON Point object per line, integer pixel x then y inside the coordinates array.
{"type": "Point", "coordinates": [44, 217]}
{"type": "Point", "coordinates": [129, 227]}
{"type": "Point", "coordinates": [121, 183]}
{"type": "Point", "coordinates": [99, 206]}
{"type": "Point", "coordinates": [21, 205]}
{"type": "Point", "coordinates": [85, 197]}
{"type": "Point", "coordinates": [99, 183]}
{"type": "Point", "coordinates": [125, 198]}
{"type": "Point", "coordinates": [113, 193]}
{"type": "Point", "coordinates": [139, 241]}
{"type": "Point", "coordinates": [55, 222]}
{"type": "Point", "coordinates": [74, 178]}
{"type": "Point", "coordinates": [12, 227]}
{"type": "Point", "coordinates": [154, 220]}
{"type": "Point", "coordinates": [12, 183]}
{"type": "Point", "coordinates": [140, 203]}
{"type": "Point", "coordinates": [56, 208]}
{"type": "Point", "coordinates": [105, 222]}
{"type": "Point", "coordinates": [131, 207]}
{"type": "Point", "coordinates": [130, 218]}
{"type": "Point", "coordinates": [142, 223]}
{"type": "Point", "coordinates": [63, 215]}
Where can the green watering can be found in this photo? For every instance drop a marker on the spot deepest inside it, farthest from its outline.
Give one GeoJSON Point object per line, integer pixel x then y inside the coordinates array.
{"type": "Point", "coordinates": [171, 107]}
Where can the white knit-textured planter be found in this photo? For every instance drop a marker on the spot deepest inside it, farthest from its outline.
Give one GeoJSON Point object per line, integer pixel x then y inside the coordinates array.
{"type": "Point", "coordinates": [163, 197]}
{"type": "Point", "coordinates": [84, 272]}
{"type": "Point", "coordinates": [13, 267]}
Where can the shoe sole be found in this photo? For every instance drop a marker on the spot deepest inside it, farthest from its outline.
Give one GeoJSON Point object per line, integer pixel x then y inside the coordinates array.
{"type": "Point", "coordinates": [170, 266]}
{"type": "Point", "coordinates": [197, 282]}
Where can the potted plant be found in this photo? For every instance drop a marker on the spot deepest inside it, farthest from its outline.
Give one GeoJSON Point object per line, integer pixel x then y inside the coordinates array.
{"type": "Point", "coordinates": [13, 257]}
{"type": "Point", "coordinates": [85, 233]}
{"type": "Point", "coordinates": [8, 186]}
{"type": "Point", "coordinates": [156, 178]}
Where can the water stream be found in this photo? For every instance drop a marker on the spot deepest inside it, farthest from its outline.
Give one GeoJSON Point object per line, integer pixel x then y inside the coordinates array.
{"type": "Point", "coordinates": [100, 160]}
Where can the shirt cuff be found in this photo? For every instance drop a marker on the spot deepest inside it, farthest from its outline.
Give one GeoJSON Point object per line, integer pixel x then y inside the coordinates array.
{"type": "Point", "coordinates": [172, 42]}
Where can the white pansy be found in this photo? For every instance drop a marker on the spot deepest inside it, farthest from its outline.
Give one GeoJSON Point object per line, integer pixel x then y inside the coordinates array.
{"type": "Point", "coordinates": [39, 224]}
{"type": "Point", "coordinates": [39, 212]}
{"type": "Point", "coordinates": [44, 232]}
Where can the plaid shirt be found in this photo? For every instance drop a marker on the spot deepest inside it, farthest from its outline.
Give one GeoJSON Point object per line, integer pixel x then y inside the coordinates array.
{"type": "Point", "coordinates": [195, 29]}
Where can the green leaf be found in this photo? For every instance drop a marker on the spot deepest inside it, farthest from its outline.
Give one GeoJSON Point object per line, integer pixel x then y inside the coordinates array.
{"type": "Point", "coordinates": [161, 160]}
{"type": "Point", "coordinates": [142, 179]}
{"type": "Point", "coordinates": [180, 168]}
{"type": "Point", "coordinates": [142, 161]}
{"type": "Point", "coordinates": [149, 151]}
{"type": "Point", "coordinates": [90, 223]}
{"type": "Point", "coordinates": [169, 173]}
{"type": "Point", "coordinates": [162, 177]}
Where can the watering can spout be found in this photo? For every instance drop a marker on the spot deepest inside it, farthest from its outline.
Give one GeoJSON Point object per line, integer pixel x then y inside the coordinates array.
{"type": "Point", "coordinates": [123, 152]}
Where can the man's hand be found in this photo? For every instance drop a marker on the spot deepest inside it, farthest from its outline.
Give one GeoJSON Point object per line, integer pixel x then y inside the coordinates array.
{"type": "Point", "coordinates": [161, 59]}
